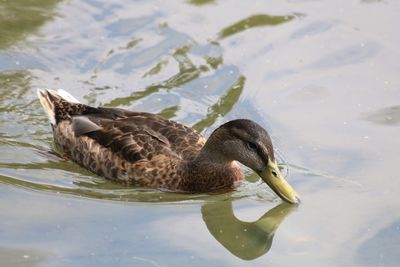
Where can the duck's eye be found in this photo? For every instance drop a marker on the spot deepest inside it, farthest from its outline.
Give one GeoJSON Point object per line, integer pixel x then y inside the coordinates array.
{"type": "Point", "coordinates": [251, 145]}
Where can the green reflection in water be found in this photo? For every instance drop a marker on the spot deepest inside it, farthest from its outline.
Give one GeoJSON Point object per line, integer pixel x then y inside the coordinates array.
{"type": "Point", "coordinates": [214, 62]}
{"type": "Point", "coordinates": [156, 69]}
{"type": "Point", "coordinates": [131, 44]}
{"type": "Point", "coordinates": [223, 106]}
{"type": "Point", "coordinates": [246, 240]}
{"type": "Point", "coordinates": [18, 18]}
{"type": "Point", "coordinates": [254, 21]}
{"type": "Point", "coordinates": [187, 72]}
{"type": "Point", "coordinates": [21, 117]}
{"type": "Point", "coordinates": [8, 140]}
{"type": "Point", "coordinates": [200, 2]}
{"type": "Point", "coordinates": [169, 112]}
{"type": "Point", "coordinates": [14, 86]}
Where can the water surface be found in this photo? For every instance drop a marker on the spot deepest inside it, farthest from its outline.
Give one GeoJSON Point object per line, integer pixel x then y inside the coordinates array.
{"type": "Point", "coordinates": [321, 76]}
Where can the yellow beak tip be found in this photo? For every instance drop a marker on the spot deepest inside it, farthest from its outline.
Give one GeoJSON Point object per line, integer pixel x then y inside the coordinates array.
{"type": "Point", "coordinates": [292, 200]}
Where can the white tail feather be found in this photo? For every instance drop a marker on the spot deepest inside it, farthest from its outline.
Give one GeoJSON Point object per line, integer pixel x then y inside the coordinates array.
{"type": "Point", "coordinates": [65, 95]}
{"type": "Point", "coordinates": [48, 104]}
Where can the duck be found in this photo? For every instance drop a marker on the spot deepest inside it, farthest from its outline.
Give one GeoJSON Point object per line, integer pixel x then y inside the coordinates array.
{"type": "Point", "coordinates": [146, 150]}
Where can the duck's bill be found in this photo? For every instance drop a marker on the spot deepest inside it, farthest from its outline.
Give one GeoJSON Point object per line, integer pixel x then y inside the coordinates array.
{"type": "Point", "coordinates": [274, 178]}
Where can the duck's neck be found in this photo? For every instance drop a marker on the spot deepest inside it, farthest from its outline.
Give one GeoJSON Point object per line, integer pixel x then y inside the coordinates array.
{"type": "Point", "coordinates": [210, 171]}
{"type": "Point", "coordinates": [211, 154]}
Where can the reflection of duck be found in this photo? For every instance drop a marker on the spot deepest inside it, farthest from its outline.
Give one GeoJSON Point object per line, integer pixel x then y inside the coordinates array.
{"type": "Point", "coordinates": [246, 240]}
{"type": "Point", "coordinates": [145, 149]}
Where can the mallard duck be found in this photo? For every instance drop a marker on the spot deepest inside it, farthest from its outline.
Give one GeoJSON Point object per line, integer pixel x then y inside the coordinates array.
{"type": "Point", "coordinates": [144, 149]}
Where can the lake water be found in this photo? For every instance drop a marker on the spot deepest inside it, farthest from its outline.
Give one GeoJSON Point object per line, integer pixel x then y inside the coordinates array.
{"type": "Point", "coordinates": [321, 76]}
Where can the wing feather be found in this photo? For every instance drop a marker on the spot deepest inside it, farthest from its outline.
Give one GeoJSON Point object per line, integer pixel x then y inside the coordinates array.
{"type": "Point", "coordinates": [137, 136]}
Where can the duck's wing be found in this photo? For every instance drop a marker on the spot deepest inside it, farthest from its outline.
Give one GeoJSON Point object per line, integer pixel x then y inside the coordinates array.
{"type": "Point", "coordinates": [136, 135]}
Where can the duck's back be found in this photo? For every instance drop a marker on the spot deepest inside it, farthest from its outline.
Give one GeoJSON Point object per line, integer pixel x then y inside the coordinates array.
{"type": "Point", "coordinates": [132, 147]}
{"type": "Point", "coordinates": [138, 136]}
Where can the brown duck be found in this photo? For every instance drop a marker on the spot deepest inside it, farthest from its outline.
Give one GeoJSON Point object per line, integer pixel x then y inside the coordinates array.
{"type": "Point", "coordinates": [143, 149]}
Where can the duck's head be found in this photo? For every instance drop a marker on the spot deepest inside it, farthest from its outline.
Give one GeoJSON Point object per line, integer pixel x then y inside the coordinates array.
{"type": "Point", "coordinates": [247, 142]}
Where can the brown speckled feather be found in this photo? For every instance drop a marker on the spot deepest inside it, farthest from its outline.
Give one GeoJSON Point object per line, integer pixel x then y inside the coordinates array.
{"type": "Point", "coordinates": [141, 136]}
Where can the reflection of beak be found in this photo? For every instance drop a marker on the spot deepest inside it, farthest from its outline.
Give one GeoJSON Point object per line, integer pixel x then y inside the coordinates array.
{"type": "Point", "coordinates": [274, 179]}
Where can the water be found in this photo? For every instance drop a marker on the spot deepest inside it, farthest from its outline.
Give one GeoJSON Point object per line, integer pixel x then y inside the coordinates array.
{"type": "Point", "coordinates": [321, 76]}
